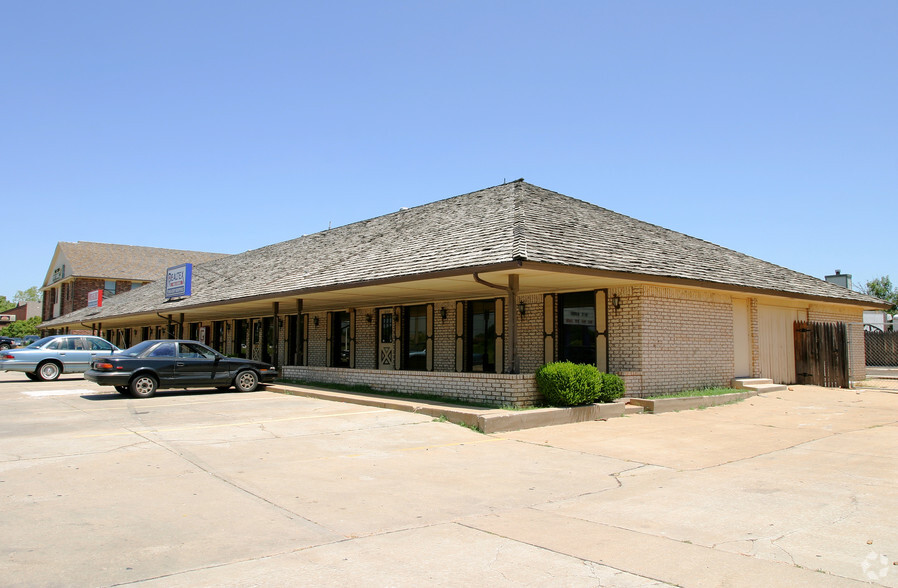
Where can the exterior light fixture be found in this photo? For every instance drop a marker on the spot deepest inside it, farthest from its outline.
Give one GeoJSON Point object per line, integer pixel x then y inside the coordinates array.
{"type": "Point", "coordinates": [522, 308]}
{"type": "Point", "coordinates": [368, 317]}
{"type": "Point", "coordinates": [443, 313]}
{"type": "Point", "coordinates": [615, 302]}
{"type": "Point", "coordinates": [316, 321]}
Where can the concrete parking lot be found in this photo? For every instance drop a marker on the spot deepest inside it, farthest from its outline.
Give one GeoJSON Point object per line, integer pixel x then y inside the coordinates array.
{"type": "Point", "coordinates": [794, 488]}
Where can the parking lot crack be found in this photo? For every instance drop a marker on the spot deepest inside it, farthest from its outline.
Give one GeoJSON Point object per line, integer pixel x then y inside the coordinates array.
{"type": "Point", "coordinates": [196, 462]}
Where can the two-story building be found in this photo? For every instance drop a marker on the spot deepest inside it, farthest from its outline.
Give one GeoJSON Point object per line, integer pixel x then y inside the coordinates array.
{"type": "Point", "coordinates": [83, 267]}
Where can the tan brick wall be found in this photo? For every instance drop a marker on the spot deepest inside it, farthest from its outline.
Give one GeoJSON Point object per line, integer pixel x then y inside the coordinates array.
{"type": "Point", "coordinates": [831, 313]}
{"type": "Point", "coordinates": [444, 337]}
{"type": "Point", "coordinates": [491, 389]}
{"type": "Point", "coordinates": [318, 339]}
{"type": "Point", "coordinates": [366, 338]}
{"type": "Point", "coordinates": [530, 333]}
{"type": "Point", "coordinates": [664, 340]}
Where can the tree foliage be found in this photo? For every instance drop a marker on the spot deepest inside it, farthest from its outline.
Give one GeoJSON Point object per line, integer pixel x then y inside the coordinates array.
{"type": "Point", "coordinates": [22, 328]}
{"type": "Point", "coordinates": [6, 304]}
{"type": "Point", "coordinates": [883, 289]}
{"type": "Point", "coordinates": [32, 294]}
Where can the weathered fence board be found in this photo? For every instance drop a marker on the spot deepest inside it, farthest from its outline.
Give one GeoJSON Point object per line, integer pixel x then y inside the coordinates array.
{"type": "Point", "coordinates": [821, 354]}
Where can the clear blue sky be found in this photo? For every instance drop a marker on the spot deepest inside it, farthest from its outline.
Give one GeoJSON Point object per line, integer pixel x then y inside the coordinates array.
{"type": "Point", "coordinates": [770, 127]}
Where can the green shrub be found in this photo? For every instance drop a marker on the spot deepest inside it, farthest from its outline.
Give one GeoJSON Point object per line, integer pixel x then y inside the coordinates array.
{"type": "Point", "coordinates": [612, 388]}
{"type": "Point", "coordinates": [569, 384]}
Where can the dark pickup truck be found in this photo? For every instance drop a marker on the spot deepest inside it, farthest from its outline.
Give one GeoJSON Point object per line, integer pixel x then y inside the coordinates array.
{"type": "Point", "coordinates": [6, 343]}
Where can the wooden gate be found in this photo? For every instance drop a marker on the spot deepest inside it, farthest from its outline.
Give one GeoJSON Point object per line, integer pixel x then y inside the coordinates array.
{"type": "Point", "coordinates": [821, 354]}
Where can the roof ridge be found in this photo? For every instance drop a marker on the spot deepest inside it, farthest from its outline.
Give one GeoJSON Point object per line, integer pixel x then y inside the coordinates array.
{"type": "Point", "coordinates": [518, 231]}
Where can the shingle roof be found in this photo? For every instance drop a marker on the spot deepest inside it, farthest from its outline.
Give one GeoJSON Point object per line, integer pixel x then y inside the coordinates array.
{"type": "Point", "coordinates": [510, 222]}
{"type": "Point", "coordinates": [126, 262]}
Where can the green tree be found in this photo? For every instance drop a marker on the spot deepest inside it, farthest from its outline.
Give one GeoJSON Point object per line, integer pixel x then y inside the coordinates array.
{"type": "Point", "coordinates": [6, 304]}
{"type": "Point", "coordinates": [22, 328]}
{"type": "Point", "coordinates": [32, 294]}
{"type": "Point", "coordinates": [883, 289]}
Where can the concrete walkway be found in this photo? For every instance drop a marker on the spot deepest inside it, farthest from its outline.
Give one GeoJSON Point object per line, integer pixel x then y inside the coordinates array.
{"type": "Point", "coordinates": [796, 488]}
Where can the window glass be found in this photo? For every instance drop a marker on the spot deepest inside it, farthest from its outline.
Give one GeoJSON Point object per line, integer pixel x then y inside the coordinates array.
{"type": "Point", "coordinates": [193, 351]}
{"type": "Point", "coordinates": [340, 340]}
{"type": "Point", "coordinates": [577, 318]}
{"type": "Point", "coordinates": [54, 344]}
{"type": "Point", "coordinates": [99, 345]}
{"type": "Point", "coordinates": [109, 287]}
{"type": "Point", "coordinates": [416, 338]}
{"type": "Point", "coordinates": [163, 350]}
{"type": "Point", "coordinates": [482, 336]}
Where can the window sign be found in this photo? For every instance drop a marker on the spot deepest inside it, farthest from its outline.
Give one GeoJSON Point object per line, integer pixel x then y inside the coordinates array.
{"type": "Point", "coordinates": [580, 316]}
{"type": "Point", "coordinates": [178, 280]}
{"type": "Point", "coordinates": [94, 298]}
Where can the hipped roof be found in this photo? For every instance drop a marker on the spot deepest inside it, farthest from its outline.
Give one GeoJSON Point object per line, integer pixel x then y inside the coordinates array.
{"type": "Point", "coordinates": [123, 262]}
{"type": "Point", "coordinates": [513, 222]}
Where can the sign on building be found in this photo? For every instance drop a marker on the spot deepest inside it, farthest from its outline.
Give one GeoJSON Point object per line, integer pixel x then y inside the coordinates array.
{"type": "Point", "coordinates": [178, 280]}
{"type": "Point", "coordinates": [95, 298]}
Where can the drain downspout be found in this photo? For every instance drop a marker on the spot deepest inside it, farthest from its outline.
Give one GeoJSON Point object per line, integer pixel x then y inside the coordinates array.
{"type": "Point", "coordinates": [512, 291]}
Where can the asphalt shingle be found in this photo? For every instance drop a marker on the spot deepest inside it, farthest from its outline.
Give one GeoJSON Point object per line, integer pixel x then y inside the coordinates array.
{"type": "Point", "coordinates": [510, 222]}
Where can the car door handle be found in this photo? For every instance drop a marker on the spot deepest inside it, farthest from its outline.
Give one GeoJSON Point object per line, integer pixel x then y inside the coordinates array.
{"type": "Point", "coordinates": [179, 363]}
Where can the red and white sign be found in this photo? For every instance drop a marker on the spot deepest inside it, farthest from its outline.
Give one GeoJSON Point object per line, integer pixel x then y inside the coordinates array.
{"type": "Point", "coordinates": [94, 298]}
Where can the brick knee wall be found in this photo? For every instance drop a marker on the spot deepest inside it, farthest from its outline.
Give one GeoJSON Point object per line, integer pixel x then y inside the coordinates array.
{"type": "Point", "coordinates": [517, 390]}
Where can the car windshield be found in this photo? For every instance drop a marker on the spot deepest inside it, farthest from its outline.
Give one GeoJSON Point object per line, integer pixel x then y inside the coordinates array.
{"type": "Point", "coordinates": [42, 342]}
{"type": "Point", "coordinates": [137, 349]}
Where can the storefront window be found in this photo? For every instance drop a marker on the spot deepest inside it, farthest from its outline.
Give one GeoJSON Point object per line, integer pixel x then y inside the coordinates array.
{"type": "Point", "coordinates": [340, 339]}
{"type": "Point", "coordinates": [577, 315]}
{"type": "Point", "coordinates": [415, 338]}
{"type": "Point", "coordinates": [482, 336]}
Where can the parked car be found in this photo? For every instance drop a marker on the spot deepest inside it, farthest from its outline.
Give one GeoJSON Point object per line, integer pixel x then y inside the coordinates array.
{"type": "Point", "coordinates": [7, 343]}
{"type": "Point", "coordinates": [29, 339]}
{"type": "Point", "coordinates": [46, 358]}
{"type": "Point", "coordinates": [175, 363]}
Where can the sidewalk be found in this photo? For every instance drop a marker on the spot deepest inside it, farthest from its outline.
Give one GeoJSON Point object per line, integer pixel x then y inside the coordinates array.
{"type": "Point", "coordinates": [485, 420]}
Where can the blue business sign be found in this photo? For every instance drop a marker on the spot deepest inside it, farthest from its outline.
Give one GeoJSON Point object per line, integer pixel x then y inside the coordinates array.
{"type": "Point", "coordinates": [177, 280]}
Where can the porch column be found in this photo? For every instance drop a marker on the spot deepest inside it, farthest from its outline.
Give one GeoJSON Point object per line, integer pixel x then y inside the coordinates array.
{"type": "Point", "coordinates": [276, 360]}
{"type": "Point", "coordinates": [513, 286]}
{"type": "Point", "coordinates": [297, 360]}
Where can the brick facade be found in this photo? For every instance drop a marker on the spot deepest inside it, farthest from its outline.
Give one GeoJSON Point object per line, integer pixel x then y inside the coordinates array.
{"type": "Point", "coordinates": [664, 340]}
{"type": "Point", "coordinates": [660, 340]}
{"type": "Point", "coordinates": [493, 389]}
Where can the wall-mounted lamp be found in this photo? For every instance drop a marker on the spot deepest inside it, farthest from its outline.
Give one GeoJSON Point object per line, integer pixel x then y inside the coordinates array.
{"type": "Point", "coordinates": [315, 321]}
{"type": "Point", "coordinates": [280, 323]}
{"type": "Point", "coordinates": [443, 313]}
{"type": "Point", "coordinates": [522, 308]}
{"type": "Point", "coordinates": [228, 326]}
{"type": "Point", "coordinates": [615, 302]}
{"type": "Point", "coordinates": [368, 317]}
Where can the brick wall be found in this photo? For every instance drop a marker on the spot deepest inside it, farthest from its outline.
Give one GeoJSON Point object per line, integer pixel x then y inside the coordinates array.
{"type": "Point", "coordinates": [530, 334]}
{"type": "Point", "coordinates": [664, 340]}
{"type": "Point", "coordinates": [492, 389]}
{"type": "Point", "coordinates": [826, 313]}
{"type": "Point", "coordinates": [444, 337]}
{"type": "Point", "coordinates": [366, 339]}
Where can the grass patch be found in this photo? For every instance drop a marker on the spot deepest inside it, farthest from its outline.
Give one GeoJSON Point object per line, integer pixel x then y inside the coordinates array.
{"type": "Point", "coordinates": [362, 389]}
{"type": "Point", "coordinates": [699, 392]}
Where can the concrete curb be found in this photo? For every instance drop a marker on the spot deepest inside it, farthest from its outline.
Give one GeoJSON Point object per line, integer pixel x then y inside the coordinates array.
{"type": "Point", "coordinates": [487, 420]}
{"type": "Point", "coordinates": [660, 405]}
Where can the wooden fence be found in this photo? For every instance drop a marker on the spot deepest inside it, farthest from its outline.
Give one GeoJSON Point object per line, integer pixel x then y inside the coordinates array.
{"type": "Point", "coordinates": [821, 354]}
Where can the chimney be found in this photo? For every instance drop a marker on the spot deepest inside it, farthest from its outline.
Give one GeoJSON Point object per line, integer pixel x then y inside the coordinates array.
{"type": "Point", "coordinates": [840, 279]}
